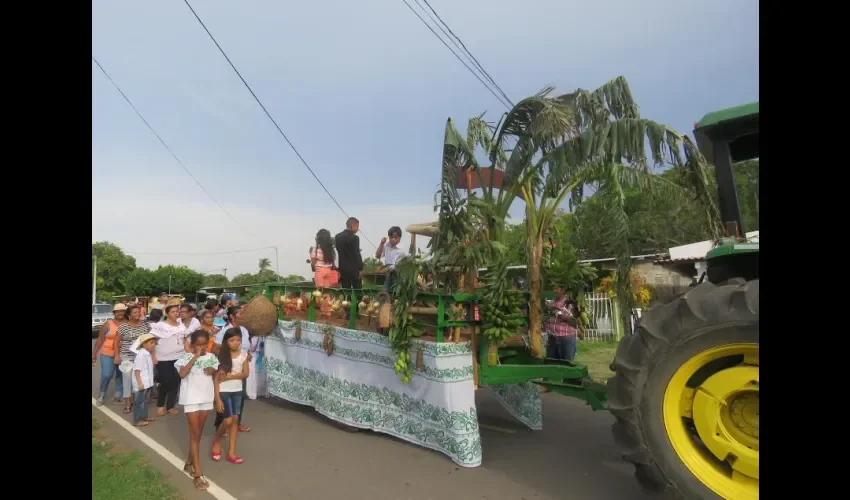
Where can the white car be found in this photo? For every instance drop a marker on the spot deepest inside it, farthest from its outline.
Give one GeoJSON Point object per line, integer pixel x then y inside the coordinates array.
{"type": "Point", "coordinates": [100, 314]}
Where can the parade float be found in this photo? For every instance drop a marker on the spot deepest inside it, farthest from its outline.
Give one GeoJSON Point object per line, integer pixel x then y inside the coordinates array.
{"type": "Point", "coordinates": [685, 388]}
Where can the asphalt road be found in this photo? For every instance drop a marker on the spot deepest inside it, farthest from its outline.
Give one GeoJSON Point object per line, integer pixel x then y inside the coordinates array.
{"type": "Point", "coordinates": [295, 453]}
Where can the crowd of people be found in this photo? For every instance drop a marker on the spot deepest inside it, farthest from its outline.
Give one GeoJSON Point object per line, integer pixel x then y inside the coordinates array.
{"type": "Point", "coordinates": [178, 356]}
{"type": "Point", "coordinates": [202, 360]}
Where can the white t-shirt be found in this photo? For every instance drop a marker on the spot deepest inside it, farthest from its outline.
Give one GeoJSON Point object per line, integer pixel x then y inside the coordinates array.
{"type": "Point", "coordinates": [144, 365]}
{"type": "Point", "coordinates": [193, 325]}
{"type": "Point", "coordinates": [197, 388]}
{"type": "Point", "coordinates": [169, 347]}
{"type": "Point", "coordinates": [219, 337]}
{"type": "Point", "coordinates": [234, 385]}
{"type": "Point", "coordinates": [392, 255]}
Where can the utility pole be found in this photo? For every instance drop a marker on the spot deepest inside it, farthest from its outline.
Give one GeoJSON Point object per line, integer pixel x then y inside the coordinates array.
{"type": "Point", "coordinates": [94, 281]}
{"type": "Point", "coordinates": [169, 286]}
{"type": "Point", "coordinates": [225, 272]}
{"type": "Point", "coordinates": [277, 263]}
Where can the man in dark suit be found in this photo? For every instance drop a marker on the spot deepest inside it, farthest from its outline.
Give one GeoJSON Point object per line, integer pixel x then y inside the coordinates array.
{"type": "Point", "coordinates": [348, 249]}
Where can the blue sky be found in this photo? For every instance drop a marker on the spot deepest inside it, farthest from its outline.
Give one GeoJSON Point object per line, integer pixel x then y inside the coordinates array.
{"type": "Point", "coordinates": [363, 89]}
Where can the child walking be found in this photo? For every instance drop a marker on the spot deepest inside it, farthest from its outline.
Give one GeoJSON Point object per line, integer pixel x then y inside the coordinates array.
{"type": "Point", "coordinates": [143, 379]}
{"type": "Point", "coordinates": [233, 369]}
{"type": "Point", "coordinates": [197, 394]}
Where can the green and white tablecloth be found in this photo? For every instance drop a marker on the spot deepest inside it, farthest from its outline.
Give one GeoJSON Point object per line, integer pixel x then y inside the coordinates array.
{"type": "Point", "coordinates": [357, 386]}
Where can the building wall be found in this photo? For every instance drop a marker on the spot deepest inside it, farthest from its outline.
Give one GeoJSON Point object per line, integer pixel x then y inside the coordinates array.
{"type": "Point", "coordinates": [656, 275]}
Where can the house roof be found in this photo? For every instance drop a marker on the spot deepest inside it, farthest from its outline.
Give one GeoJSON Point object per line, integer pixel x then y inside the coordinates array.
{"type": "Point", "coordinates": [696, 252]}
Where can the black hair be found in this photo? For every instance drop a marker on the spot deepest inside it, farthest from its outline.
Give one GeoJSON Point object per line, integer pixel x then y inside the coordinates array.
{"type": "Point", "coordinates": [225, 360]}
{"type": "Point", "coordinates": [130, 309]}
{"type": "Point", "coordinates": [351, 221]}
{"type": "Point", "coordinates": [210, 304]}
{"type": "Point", "coordinates": [395, 230]}
{"type": "Point", "coordinates": [200, 332]}
{"type": "Point", "coordinates": [169, 308]}
{"type": "Point", "coordinates": [156, 316]}
{"type": "Point", "coordinates": [326, 244]}
{"type": "Point", "coordinates": [233, 310]}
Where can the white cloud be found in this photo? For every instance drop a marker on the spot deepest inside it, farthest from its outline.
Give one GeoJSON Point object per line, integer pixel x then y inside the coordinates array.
{"type": "Point", "coordinates": [150, 224]}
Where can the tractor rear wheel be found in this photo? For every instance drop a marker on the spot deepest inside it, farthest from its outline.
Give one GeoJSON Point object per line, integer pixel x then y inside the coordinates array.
{"type": "Point", "coordinates": [685, 394]}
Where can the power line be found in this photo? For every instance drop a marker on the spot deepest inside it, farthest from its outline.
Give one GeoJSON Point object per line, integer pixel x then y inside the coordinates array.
{"type": "Point", "coordinates": [294, 149]}
{"type": "Point", "coordinates": [168, 148]}
{"type": "Point", "coordinates": [497, 96]}
{"type": "Point", "coordinates": [201, 253]}
{"type": "Point", "coordinates": [462, 47]}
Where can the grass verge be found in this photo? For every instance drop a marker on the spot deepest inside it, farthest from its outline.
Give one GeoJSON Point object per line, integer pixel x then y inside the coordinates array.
{"type": "Point", "coordinates": [597, 356]}
{"type": "Point", "coordinates": [128, 476]}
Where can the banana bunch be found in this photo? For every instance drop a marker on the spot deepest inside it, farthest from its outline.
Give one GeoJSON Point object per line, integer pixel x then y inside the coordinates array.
{"type": "Point", "coordinates": [500, 308]}
{"type": "Point", "coordinates": [500, 318]}
{"type": "Point", "coordinates": [584, 316]}
{"type": "Point", "coordinates": [402, 367]}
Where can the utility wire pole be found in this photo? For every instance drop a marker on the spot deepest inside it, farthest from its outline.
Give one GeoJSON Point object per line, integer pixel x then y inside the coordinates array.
{"type": "Point", "coordinates": [94, 281]}
{"type": "Point", "coordinates": [277, 263]}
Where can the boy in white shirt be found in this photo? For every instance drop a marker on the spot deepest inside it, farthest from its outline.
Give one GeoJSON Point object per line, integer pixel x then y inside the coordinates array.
{"type": "Point", "coordinates": [143, 379]}
{"type": "Point", "coordinates": [389, 253]}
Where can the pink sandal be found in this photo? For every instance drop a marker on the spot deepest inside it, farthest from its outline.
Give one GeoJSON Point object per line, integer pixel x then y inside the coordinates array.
{"type": "Point", "coordinates": [215, 456]}
{"type": "Point", "coordinates": [234, 460]}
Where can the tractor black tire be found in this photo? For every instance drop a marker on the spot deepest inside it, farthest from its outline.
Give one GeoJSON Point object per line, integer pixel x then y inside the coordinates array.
{"type": "Point", "coordinates": [706, 316]}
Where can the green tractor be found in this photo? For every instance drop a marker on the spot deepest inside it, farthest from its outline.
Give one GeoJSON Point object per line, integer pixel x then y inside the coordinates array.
{"type": "Point", "coordinates": [685, 393]}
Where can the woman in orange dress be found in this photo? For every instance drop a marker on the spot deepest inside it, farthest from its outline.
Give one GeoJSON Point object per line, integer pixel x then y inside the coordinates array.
{"type": "Point", "coordinates": [322, 258]}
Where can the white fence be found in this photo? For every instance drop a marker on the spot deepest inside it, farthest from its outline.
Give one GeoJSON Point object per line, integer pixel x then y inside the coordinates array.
{"type": "Point", "coordinates": [600, 307]}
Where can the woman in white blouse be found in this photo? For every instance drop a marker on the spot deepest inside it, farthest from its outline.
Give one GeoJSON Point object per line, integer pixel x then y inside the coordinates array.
{"type": "Point", "coordinates": [169, 348]}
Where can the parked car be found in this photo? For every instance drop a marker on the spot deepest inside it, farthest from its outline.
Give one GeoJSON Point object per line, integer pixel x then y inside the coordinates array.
{"type": "Point", "coordinates": [100, 314]}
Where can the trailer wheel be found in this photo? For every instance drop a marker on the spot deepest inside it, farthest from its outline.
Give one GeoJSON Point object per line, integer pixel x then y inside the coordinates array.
{"type": "Point", "coordinates": [685, 394]}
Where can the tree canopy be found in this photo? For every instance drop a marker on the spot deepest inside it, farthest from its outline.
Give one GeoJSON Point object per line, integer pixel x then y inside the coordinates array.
{"type": "Point", "coordinates": [117, 274]}
{"type": "Point", "coordinates": [113, 268]}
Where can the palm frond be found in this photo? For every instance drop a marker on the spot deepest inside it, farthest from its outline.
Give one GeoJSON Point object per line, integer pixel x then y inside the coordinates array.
{"type": "Point", "coordinates": [537, 122]}
{"type": "Point", "coordinates": [613, 100]}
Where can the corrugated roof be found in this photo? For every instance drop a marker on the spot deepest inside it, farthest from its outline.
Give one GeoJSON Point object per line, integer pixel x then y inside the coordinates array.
{"type": "Point", "coordinates": [697, 251]}
{"type": "Point", "coordinates": [686, 260]}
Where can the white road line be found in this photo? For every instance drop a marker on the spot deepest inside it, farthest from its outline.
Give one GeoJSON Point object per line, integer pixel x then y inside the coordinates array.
{"type": "Point", "coordinates": [215, 490]}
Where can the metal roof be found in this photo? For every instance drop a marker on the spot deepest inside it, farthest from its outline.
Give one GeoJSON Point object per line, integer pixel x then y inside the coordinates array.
{"type": "Point", "coordinates": [695, 252]}
{"type": "Point", "coordinates": [728, 114]}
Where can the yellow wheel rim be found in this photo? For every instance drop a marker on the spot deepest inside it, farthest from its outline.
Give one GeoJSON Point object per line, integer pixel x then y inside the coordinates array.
{"type": "Point", "coordinates": [711, 414]}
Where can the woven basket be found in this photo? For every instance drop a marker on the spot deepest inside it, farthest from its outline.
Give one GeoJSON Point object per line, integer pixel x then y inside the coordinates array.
{"type": "Point", "coordinates": [259, 316]}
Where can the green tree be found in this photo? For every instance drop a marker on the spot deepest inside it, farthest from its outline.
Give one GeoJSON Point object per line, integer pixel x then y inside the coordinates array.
{"type": "Point", "coordinates": [264, 264]}
{"type": "Point", "coordinates": [113, 268]}
{"type": "Point", "coordinates": [559, 145]}
{"type": "Point", "coordinates": [182, 279]}
{"type": "Point", "coordinates": [244, 279]}
{"type": "Point", "coordinates": [657, 221]}
{"type": "Point", "coordinates": [215, 280]}
{"type": "Point", "coordinates": [142, 282]}
{"type": "Point", "coordinates": [370, 264]}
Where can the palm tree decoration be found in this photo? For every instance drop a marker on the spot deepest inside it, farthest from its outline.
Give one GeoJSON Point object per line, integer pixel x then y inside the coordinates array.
{"type": "Point", "coordinates": [551, 147]}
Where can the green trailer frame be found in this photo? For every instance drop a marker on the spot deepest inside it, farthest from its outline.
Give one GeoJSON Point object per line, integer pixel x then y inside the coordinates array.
{"type": "Point", "coordinates": [516, 365]}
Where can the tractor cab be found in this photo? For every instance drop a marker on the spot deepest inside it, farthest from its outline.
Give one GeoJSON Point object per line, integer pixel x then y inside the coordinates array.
{"type": "Point", "coordinates": [725, 137]}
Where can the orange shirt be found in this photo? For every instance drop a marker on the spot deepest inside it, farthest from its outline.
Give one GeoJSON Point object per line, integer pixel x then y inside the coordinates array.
{"type": "Point", "coordinates": [108, 348]}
